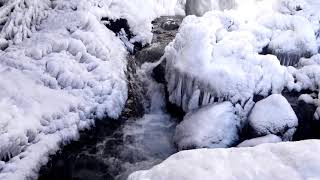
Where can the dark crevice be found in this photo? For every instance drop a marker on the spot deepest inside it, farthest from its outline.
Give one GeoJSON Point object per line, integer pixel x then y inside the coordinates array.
{"type": "Point", "coordinates": [118, 26]}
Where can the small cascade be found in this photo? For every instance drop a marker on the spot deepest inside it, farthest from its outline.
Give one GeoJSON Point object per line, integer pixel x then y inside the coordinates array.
{"type": "Point", "coordinates": [140, 138]}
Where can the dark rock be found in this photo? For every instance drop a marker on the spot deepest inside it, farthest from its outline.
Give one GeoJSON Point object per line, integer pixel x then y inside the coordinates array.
{"type": "Point", "coordinates": [115, 25]}
{"type": "Point", "coordinates": [152, 53]}
{"type": "Point", "coordinates": [170, 25]}
{"type": "Point", "coordinates": [158, 73]}
{"type": "Point", "coordinates": [308, 127]}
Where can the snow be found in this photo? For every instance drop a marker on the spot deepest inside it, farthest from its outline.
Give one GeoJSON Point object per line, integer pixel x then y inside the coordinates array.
{"type": "Point", "coordinates": [213, 126]}
{"type": "Point", "coordinates": [294, 160]}
{"type": "Point", "coordinates": [19, 18]}
{"type": "Point", "coordinates": [221, 60]}
{"type": "Point", "coordinates": [138, 13]}
{"type": "Point", "coordinates": [236, 53]}
{"type": "Point", "coordinates": [54, 84]}
{"type": "Point", "coordinates": [200, 7]}
{"type": "Point", "coordinates": [260, 140]}
{"type": "Point", "coordinates": [273, 115]}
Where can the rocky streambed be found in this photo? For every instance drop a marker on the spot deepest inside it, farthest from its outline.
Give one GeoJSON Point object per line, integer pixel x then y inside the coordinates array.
{"type": "Point", "coordinates": [141, 137]}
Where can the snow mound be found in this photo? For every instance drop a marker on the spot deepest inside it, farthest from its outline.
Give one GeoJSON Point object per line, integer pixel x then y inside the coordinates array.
{"type": "Point", "coordinates": [213, 126]}
{"type": "Point", "coordinates": [260, 140]}
{"type": "Point", "coordinates": [220, 61]}
{"type": "Point", "coordinates": [298, 161]}
{"type": "Point", "coordinates": [293, 37]}
{"type": "Point", "coordinates": [273, 115]}
{"type": "Point", "coordinates": [55, 84]}
{"type": "Point", "coordinates": [236, 53]}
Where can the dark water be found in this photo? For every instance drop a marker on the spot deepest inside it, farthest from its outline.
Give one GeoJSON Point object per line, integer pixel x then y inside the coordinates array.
{"type": "Point", "coordinates": [114, 149]}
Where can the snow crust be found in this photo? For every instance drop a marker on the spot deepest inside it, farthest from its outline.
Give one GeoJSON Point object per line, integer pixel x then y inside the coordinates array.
{"type": "Point", "coordinates": [54, 84]}
{"type": "Point", "coordinates": [260, 140]}
{"type": "Point", "coordinates": [273, 115]}
{"type": "Point", "coordinates": [294, 160]}
{"type": "Point", "coordinates": [213, 126]}
{"type": "Point", "coordinates": [19, 18]}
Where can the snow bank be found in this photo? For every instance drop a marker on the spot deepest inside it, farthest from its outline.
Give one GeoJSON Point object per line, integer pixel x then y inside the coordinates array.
{"type": "Point", "coordinates": [298, 161]}
{"type": "Point", "coordinates": [273, 115]}
{"type": "Point", "coordinates": [54, 84]}
{"type": "Point", "coordinates": [213, 126]}
{"type": "Point", "coordinates": [260, 140]}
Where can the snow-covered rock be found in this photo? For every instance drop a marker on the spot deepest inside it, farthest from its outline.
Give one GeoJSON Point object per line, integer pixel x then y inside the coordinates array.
{"type": "Point", "coordinates": [297, 161]}
{"type": "Point", "coordinates": [213, 126]}
{"type": "Point", "coordinates": [236, 53]}
{"type": "Point", "coordinates": [260, 140]}
{"type": "Point", "coordinates": [54, 84]}
{"type": "Point", "coordinates": [220, 61]}
{"type": "Point", "coordinates": [138, 13]}
{"type": "Point", "coordinates": [273, 115]}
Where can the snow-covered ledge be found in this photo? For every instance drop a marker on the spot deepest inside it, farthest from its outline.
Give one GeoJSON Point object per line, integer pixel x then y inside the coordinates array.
{"type": "Point", "coordinates": [282, 161]}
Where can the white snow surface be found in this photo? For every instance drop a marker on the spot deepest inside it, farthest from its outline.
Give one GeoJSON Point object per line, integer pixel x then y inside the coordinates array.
{"type": "Point", "coordinates": [224, 59]}
{"type": "Point", "coordinates": [138, 13]}
{"type": "Point", "coordinates": [282, 161]}
{"type": "Point", "coordinates": [212, 126]}
{"type": "Point", "coordinates": [273, 115]}
{"type": "Point", "coordinates": [200, 7]}
{"type": "Point", "coordinates": [260, 140]}
{"type": "Point", "coordinates": [71, 71]}
{"type": "Point", "coordinates": [19, 18]}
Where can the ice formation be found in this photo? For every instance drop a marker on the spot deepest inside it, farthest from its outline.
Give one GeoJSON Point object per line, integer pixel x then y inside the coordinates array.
{"type": "Point", "coordinates": [213, 126]}
{"type": "Point", "coordinates": [19, 18]}
{"type": "Point", "coordinates": [219, 62]}
{"type": "Point", "coordinates": [282, 161]}
{"type": "Point", "coordinates": [227, 58]}
{"type": "Point", "coordinates": [70, 71]}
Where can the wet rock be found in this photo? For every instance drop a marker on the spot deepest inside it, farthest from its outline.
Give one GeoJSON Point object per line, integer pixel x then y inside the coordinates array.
{"type": "Point", "coordinates": [159, 72]}
{"type": "Point", "coordinates": [164, 30]}
{"type": "Point", "coordinates": [170, 25]}
{"type": "Point", "coordinates": [309, 127]}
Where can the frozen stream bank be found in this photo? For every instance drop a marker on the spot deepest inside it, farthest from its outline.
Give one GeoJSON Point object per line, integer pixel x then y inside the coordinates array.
{"type": "Point", "coordinates": [114, 149]}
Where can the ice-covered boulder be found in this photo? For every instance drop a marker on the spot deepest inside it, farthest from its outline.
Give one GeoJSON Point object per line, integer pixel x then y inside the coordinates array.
{"type": "Point", "coordinates": [260, 140]}
{"type": "Point", "coordinates": [293, 37]}
{"type": "Point", "coordinates": [273, 115]}
{"type": "Point", "coordinates": [221, 61]}
{"type": "Point", "coordinates": [281, 161]}
{"type": "Point", "coordinates": [213, 126]}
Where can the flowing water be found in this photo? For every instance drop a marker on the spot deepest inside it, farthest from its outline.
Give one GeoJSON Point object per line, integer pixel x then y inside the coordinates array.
{"type": "Point", "coordinates": [141, 138]}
